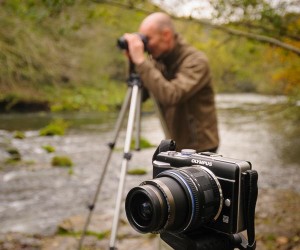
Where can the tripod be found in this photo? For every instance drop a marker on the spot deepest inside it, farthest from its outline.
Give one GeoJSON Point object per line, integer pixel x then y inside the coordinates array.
{"type": "Point", "coordinates": [133, 96]}
{"type": "Point", "coordinates": [207, 240]}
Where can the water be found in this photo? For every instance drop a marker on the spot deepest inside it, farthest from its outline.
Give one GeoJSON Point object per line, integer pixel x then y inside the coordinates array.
{"type": "Point", "coordinates": [35, 197]}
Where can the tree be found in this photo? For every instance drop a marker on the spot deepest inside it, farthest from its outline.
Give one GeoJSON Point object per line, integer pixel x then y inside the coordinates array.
{"type": "Point", "coordinates": [278, 25]}
{"type": "Point", "coordinates": [275, 23]}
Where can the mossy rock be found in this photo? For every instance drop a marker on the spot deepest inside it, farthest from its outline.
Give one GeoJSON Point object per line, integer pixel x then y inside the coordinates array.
{"type": "Point", "coordinates": [137, 171]}
{"type": "Point", "coordinates": [49, 148]}
{"type": "Point", "coordinates": [15, 155]}
{"type": "Point", "coordinates": [19, 135]}
{"type": "Point", "coordinates": [12, 160]}
{"type": "Point", "coordinates": [144, 143]}
{"type": "Point", "coordinates": [99, 235]}
{"type": "Point", "coordinates": [61, 161]}
{"type": "Point", "coordinates": [57, 127]}
{"type": "Point", "coordinates": [13, 151]}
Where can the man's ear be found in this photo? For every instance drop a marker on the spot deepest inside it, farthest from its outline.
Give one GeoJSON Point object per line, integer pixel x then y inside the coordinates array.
{"type": "Point", "coordinates": [167, 34]}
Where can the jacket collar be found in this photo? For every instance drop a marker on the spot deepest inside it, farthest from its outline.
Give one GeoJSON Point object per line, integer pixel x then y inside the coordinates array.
{"type": "Point", "coordinates": [171, 56]}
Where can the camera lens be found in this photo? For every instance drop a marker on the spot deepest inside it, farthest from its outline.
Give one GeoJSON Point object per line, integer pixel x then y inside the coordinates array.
{"type": "Point", "coordinates": [177, 200]}
{"type": "Point", "coordinates": [146, 208]}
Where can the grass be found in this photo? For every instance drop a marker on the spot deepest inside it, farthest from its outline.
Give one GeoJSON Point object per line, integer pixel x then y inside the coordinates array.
{"type": "Point", "coordinates": [101, 235]}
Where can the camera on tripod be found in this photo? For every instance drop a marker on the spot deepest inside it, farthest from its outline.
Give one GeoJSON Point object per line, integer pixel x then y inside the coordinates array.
{"type": "Point", "coordinates": [192, 193]}
{"type": "Point", "coordinates": [122, 43]}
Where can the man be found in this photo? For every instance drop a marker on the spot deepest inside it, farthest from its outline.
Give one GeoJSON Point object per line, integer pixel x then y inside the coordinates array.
{"type": "Point", "coordinates": [178, 77]}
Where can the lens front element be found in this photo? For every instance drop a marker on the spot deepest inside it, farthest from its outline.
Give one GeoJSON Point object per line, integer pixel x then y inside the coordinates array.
{"type": "Point", "coordinates": [145, 208]}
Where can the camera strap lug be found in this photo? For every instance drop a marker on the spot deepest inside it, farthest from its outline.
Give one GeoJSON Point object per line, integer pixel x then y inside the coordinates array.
{"type": "Point", "coordinates": [250, 194]}
{"type": "Point", "coordinates": [164, 146]}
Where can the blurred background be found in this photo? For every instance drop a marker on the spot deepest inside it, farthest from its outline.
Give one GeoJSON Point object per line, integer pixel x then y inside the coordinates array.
{"type": "Point", "coordinates": [63, 81]}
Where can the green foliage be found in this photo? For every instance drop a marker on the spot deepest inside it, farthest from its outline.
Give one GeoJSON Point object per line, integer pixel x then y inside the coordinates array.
{"type": "Point", "coordinates": [62, 161]}
{"type": "Point", "coordinates": [63, 54]}
{"type": "Point", "coordinates": [52, 49]}
{"type": "Point", "coordinates": [57, 127]}
{"type": "Point", "coordinates": [56, 6]}
{"type": "Point", "coordinates": [49, 148]}
{"type": "Point", "coordinates": [241, 65]}
{"type": "Point", "coordinates": [90, 98]}
{"type": "Point", "coordinates": [36, 9]}
{"type": "Point", "coordinates": [262, 17]}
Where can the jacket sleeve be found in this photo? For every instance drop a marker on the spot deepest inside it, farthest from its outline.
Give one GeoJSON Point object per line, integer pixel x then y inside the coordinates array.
{"type": "Point", "coordinates": [192, 75]}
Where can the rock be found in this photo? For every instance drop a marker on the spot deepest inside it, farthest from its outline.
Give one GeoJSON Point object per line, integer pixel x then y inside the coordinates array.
{"type": "Point", "coordinates": [127, 238]}
{"type": "Point", "coordinates": [60, 243]}
{"type": "Point", "coordinates": [282, 240]}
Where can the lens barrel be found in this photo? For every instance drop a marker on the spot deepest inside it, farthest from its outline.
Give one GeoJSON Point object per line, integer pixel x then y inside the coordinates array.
{"type": "Point", "coordinates": [177, 200]}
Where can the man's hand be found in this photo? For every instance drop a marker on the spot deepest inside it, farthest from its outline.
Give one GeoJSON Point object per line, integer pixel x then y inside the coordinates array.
{"type": "Point", "coordinates": [135, 48]}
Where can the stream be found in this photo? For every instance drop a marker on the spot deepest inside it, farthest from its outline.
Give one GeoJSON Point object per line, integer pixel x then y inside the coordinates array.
{"type": "Point", "coordinates": [35, 196]}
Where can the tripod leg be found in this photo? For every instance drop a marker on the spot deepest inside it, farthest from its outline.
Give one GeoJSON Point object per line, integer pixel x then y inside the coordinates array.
{"type": "Point", "coordinates": [121, 116]}
{"type": "Point", "coordinates": [111, 145]}
{"type": "Point", "coordinates": [126, 157]}
{"type": "Point", "coordinates": [138, 121]}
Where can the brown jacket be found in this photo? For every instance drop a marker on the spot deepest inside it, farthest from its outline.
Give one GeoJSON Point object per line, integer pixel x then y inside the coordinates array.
{"type": "Point", "coordinates": [181, 83]}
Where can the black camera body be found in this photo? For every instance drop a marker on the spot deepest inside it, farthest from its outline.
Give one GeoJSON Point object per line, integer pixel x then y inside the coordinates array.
{"type": "Point", "coordinates": [196, 200]}
{"type": "Point", "coordinates": [228, 173]}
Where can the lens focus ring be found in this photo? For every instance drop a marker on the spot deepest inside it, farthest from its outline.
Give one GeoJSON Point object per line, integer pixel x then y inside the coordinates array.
{"type": "Point", "coordinates": [202, 191]}
{"type": "Point", "coordinates": [192, 195]}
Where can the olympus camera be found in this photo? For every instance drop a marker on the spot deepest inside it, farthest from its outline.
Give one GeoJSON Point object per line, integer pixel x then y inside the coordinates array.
{"type": "Point", "coordinates": [191, 191]}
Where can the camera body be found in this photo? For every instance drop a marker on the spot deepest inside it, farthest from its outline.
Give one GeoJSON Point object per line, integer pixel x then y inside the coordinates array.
{"type": "Point", "coordinates": [196, 200]}
{"type": "Point", "coordinates": [228, 173]}
{"type": "Point", "coordinates": [190, 191]}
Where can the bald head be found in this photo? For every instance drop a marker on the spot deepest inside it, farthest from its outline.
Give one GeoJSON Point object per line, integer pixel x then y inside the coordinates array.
{"type": "Point", "coordinates": [159, 30]}
{"type": "Point", "coordinates": [158, 21]}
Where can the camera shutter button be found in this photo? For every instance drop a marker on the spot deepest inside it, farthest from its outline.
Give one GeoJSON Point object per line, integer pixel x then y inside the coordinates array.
{"type": "Point", "coordinates": [188, 151]}
{"type": "Point", "coordinates": [172, 153]}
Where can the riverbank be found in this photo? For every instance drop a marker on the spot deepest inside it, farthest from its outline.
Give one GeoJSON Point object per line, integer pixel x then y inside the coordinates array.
{"type": "Point", "coordinates": [277, 227]}
{"type": "Point", "coordinates": [37, 199]}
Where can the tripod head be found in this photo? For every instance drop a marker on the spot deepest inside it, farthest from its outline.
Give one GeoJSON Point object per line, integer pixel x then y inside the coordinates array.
{"type": "Point", "coordinates": [205, 240]}
{"type": "Point", "coordinates": [133, 77]}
